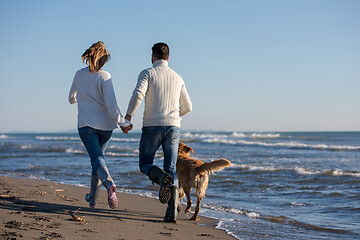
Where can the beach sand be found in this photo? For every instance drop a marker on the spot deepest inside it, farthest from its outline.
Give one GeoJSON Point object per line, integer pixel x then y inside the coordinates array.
{"type": "Point", "coordinates": [35, 209]}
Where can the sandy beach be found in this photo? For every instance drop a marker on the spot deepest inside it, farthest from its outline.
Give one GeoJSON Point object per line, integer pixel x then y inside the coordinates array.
{"type": "Point", "coordinates": [35, 209]}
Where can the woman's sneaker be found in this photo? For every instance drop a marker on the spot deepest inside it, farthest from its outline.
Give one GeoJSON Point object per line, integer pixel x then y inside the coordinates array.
{"type": "Point", "coordinates": [112, 199]}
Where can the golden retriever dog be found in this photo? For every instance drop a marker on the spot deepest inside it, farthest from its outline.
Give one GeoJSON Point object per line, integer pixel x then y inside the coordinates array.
{"type": "Point", "coordinates": [194, 173]}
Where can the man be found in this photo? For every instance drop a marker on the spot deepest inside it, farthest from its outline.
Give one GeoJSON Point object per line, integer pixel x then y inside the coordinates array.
{"type": "Point", "coordinates": [166, 99]}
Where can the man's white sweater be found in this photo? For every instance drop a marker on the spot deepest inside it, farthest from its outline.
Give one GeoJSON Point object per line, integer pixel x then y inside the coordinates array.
{"type": "Point", "coordinates": [166, 98]}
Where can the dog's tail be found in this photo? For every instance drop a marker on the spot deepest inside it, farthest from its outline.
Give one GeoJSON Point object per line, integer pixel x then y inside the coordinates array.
{"type": "Point", "coordinates": [214, 166]}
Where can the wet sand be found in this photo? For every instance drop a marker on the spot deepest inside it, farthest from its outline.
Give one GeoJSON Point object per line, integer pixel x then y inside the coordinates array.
{"type": "Point", "coordinates": [35, 209]}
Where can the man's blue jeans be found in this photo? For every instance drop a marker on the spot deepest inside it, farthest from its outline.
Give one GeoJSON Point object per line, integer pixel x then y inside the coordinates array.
{"type": "Point", "coordinates": [151, 139]}
{"type": "Point", "coordinates": [95, 142]}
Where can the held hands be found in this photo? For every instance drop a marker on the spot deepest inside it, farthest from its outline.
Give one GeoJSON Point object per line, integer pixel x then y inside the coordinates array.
{"type": "Point", "coordinates": [127, 129]}
{"type": "Point", "coordinates": [127, 125]}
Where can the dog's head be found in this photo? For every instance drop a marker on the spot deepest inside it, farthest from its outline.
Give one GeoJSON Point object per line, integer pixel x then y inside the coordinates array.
{"type": "Point", "coordinates": [185, 149]}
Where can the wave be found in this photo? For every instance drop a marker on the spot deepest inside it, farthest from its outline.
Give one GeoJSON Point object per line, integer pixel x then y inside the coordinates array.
{"type": "Point", "coordinates": [31, 148]}
{"type": "Point", "coordinates": [46, 138]}
{"type": "Point", "coordinates": [230, 210]}
{"type": "Point", "coordinates": [269, 135]}
{"type": "Point", "coordinates": [334, 173]}
{"type": "Point", "coordinates": [285, 220]}
{"type": "Point", "coordinates": [41, 149]}
{"type": "Point", "coordinates": [121, 149]}
{"type": "Point", "coordinates": [42, 138]}
{"type": "Point", "coordinates": [339, 172]}
{"type": "Point", "coordinates": [221, 225]}
{"type": "Point", "coordinates": [265, 140]}
{"type": "Point", "coordinates": [2, 136]}
{"type": "Point", "coordinates": [291, 145]}
{"type": "Point", "coordinates": [256, 168]}
{"type": "Point", "coordinates": [230, 135]}
{"type": "Point", "coordinates": [125, 139]}
{"type": "Point", "coordinates": [113, 154]}
{"type": "Point", "coordinates": [299, 170]}
{"type": "Point", "coordinates": [26, 175]}
{"type": "Point", "coordinates": [70, 150]}
{"type": "Point", "coordinates": [203, 135]}
{"type": "Point", "coordinates": [270, 218]}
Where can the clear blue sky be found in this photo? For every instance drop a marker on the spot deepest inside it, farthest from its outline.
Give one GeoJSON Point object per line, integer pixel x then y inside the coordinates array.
{"type": "Point", "coordinates": [248, 65]}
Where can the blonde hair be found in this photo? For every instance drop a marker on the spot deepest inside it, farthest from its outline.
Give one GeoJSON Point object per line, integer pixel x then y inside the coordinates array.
{"type": "Point", "coordinates": [96, 56]}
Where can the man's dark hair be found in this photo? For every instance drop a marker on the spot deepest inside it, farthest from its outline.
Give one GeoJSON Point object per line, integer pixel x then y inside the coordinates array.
{"type": "Point", "coordinates": [161, 50]}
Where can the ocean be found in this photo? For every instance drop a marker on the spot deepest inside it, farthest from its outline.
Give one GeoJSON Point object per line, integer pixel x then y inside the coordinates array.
{"type": "Point", "coordinates": [281, 185]}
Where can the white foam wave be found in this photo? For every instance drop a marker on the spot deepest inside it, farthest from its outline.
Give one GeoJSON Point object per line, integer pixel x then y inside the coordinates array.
{"type": "Point", "coordinates": [339, 172]}
{"type": "Point", "coordinates": [253, 215]}
{"type": "Point", "coordinates": [203, 135]}
{"type": "Point", "coordinates": [42, 138]}
{"type": "Point", "coordinates": [70, 150]}
{"type": "Point", "coordinates": [284, 144]}
{"type": "Point", "coordinates": [234, 135]}
{"type": "Point", "coordinates": [120, 149]}
{"type": "Point", "coordinates": [139, 193]}
{"type": "Point", "coordinates": [238, 135]}
{"type": "Point", "coordinates": [263, 140]}
{"type": "Point", "coordinates": [2, 136]}
{"type": "Point", "coordinates": [230, 210]}
{"type": "Point", "coordinates": [37, 178]}
{"type": "Point", "coordinates": [125, 140]}
{"type": "Point", "coordinates": [268, 135]}
{"type": "Point", "coordinates": [262, 168]}
{"type": "Point", "coordinates": [297, 204]}
{"type": "Point", "coordinates": [113, 154]}
{"type": "Point", "coordinates": [221, 225]}
{"type": "Point", "coordinates": [334, 173]}
{"type": "Point", "coordinates": [299, 170]}
{"type": "Point", "coordinates": [303, 171]}
{"type": "Point", "coordinates": [82, 185]}
{"type": "Point", "coordinates": [26, 147]}
{"type": "Point", "coordinates": [255, 168]}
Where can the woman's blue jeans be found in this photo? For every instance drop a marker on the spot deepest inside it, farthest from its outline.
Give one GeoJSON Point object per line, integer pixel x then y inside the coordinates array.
{"type": "Point", "coordinates": [151, 139]}
{"type": "Point", "coordinates": [95, 142]}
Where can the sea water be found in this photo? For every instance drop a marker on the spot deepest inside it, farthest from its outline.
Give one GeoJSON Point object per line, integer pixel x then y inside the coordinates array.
{"type": "Point", "coordinates": [281, 185]}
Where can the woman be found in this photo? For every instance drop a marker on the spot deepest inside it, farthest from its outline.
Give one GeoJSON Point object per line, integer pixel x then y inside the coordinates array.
{"type": "Point", "coordinates": [98, 116]}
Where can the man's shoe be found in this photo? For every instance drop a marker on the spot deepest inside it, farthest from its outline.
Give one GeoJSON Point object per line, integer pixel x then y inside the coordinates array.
{"type": "Point", "coordinates": [172, 208]}
{"type": "Point", "coordinates": [159, 176]}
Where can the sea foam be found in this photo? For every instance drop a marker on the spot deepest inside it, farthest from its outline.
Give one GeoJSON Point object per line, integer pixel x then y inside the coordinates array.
{"type": "Point", "coordinates": [57, 138]}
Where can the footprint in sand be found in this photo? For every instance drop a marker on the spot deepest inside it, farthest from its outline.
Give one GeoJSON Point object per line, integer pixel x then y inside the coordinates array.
{"type": "Point", "coordinates": [205, 235]}
{"type": "Point", "coordinates": [14, 224]}
{"type": "Point", "coordinates": [170, 229]}
{"type": "Point", "coordinates": [165, 234]}
{"type": "Point", "coordinates": [10, 235]}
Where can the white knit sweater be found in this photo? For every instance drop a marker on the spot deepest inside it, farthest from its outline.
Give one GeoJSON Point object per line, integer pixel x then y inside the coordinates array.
{"type": "Point", "coordinates": [94, 94]}
{"type": "Point", "coordinates": [166, 98]}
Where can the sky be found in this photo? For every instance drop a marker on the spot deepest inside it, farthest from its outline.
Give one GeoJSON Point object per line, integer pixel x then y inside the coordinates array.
{"type": "Point", "coordinates": [257, 65]}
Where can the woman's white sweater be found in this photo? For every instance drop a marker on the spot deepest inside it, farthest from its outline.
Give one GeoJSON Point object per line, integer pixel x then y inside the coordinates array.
{"type": "Point", "coordinates": [94, 94]}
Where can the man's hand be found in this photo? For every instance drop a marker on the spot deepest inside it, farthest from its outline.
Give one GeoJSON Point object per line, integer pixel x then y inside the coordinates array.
{"type": "Point", "coordinates": [128, 128]}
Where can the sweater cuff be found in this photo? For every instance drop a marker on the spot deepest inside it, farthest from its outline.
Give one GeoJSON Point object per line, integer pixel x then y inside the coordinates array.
{"type": "Point", "coordinates": [125, 123]}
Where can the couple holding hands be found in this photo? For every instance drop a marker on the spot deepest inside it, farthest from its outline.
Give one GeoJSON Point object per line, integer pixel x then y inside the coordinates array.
{"type": "Point", "coordinates": [166, 99]}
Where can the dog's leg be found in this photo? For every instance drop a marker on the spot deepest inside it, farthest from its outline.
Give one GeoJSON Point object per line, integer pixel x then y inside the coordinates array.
{"type": "Point", "coordinates": [197, 210]}
{"type": "Point", "coordinates": [189, 202]}
{"type": "Point", "coordinates": [181, 195]}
